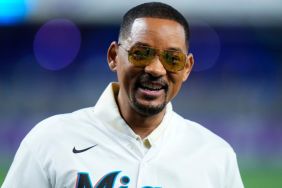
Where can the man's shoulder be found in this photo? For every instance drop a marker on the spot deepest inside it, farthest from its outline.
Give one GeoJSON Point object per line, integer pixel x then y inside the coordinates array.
{"type": "Point", "coordinates": [195, 132]}
{"type": "Point", "coordinates": [59, 120]}
{"type": "Point", "coordinates": [59, 126]}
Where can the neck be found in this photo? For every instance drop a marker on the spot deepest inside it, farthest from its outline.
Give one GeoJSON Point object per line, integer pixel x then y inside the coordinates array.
{"type": "Point", "coordinates": [140, 124]}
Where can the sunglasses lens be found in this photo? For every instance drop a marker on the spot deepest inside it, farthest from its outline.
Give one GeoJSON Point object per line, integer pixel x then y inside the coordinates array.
{"type": "Point", "coordinates": [141, 55]}
{"type": "Point", "coordinates": [173, 61]}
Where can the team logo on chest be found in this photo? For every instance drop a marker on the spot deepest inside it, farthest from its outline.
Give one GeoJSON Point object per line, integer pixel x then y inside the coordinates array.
{"type": "Point", "coordinates": [107, 181]}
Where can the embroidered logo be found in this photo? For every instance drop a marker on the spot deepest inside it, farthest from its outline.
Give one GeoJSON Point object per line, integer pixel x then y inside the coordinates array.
{"type": "Point", "coordinates": [74, 150]}
{"type": "Point", "coordinates": [107, 181]}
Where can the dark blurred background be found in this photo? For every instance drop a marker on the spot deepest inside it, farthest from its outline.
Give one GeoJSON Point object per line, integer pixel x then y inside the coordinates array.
{"type": "Point", "coordinates": [53, 60]}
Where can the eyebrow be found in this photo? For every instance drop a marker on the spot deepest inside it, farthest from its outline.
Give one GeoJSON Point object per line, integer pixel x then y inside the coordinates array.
{"type": "Point", "coordinates": [142, 44]}
{"type": "Point", "coordinates": [174, 49]}
{"type": "Point", "coordinates": [148, 45]}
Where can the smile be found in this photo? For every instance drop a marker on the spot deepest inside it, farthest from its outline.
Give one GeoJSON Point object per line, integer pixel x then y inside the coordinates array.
{"type": "Point", "coordinates": [151, 86]}
{"type": "Point", "coordinates": [151, 90]}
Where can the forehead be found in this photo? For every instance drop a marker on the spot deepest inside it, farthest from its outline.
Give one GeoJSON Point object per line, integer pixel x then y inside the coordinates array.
{"type": "Point", "coordinates": [159, 33]}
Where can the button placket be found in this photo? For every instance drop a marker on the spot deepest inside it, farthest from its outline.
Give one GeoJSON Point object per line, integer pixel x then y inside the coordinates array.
{"type": "Point", "coordinates": [141, 170]}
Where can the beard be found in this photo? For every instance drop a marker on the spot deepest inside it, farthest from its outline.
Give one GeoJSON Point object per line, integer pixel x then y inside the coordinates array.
{"type": "Point", "coordinates": [148, 110]}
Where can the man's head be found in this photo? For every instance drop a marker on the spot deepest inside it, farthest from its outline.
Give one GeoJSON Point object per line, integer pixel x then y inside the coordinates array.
{"type": "Point", "coordinates": [151, 10]}
{"type": "Point", "coordinates": [147, 81]}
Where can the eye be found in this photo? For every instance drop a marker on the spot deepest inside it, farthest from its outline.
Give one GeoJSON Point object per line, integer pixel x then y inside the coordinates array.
{"type": "Point", "coordinates": [172, 58]}
{"type": "Point", "coordinates": [141, 53]}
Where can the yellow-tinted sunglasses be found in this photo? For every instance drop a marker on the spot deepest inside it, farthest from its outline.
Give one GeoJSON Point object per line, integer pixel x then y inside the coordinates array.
{"type": "Point", "coordinates": [141, 56]}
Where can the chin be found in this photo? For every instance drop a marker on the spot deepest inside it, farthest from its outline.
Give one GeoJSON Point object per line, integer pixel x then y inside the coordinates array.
{"type": "Point", "coordinates": [148, 109]}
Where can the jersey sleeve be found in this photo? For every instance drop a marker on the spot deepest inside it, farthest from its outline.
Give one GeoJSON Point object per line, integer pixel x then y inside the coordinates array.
{"type": "Point", "coordinates": [26, 171]}
{"type": "Point", "coordinates": [233, 179]}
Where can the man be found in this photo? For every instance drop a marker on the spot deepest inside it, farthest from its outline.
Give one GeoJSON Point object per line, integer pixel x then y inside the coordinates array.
{"type": "Point", "coordinates": [132, 138]}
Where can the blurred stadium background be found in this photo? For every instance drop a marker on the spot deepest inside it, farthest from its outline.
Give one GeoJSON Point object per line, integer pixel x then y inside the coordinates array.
{"type": "Point", "coordinates": [53, 60]}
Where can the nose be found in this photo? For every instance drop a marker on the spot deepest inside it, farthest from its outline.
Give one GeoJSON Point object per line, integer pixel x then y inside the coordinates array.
{"type": "Point", "coordinates": [155, 68]}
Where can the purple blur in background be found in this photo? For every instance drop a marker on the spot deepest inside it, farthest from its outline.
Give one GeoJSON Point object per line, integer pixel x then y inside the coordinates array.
{"type": "Point", "coordinates": [56, 44]}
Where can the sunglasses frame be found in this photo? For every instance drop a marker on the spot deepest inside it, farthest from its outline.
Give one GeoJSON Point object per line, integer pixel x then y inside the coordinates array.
{"type": "Point", "coordinates": [159, 53]}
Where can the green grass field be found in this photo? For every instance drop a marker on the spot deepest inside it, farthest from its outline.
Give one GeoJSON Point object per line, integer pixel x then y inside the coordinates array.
{"type": "Point", "coordinates": [252, 178]}
{"type": "Point", "coordinates": [262, 178]}
{"type": "Point", "coordinates": [2, 176]}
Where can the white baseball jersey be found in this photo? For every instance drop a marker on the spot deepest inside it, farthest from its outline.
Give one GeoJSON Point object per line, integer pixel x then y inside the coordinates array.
{"type": "Point", "coordinates": [95, 148]}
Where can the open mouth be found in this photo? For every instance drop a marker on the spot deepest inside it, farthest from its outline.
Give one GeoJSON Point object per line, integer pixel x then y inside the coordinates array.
{"type": "Point", "coordinates": [151, 86]}
{"type": "Point", "coordinates": [151, 90]}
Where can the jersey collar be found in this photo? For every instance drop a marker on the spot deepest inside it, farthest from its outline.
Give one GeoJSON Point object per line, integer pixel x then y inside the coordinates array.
{"type": "Point", "coordinates": [106, 109]}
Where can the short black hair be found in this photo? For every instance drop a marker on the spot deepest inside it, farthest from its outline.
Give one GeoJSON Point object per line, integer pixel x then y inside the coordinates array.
{"type": "Point", "coordinates": [152, 10]}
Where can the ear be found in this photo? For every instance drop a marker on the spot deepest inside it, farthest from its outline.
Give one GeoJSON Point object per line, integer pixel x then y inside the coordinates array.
{"type": "Point", "coordinates": [112, 56]}
{"type": "Point", "coordinates": [188, 66]}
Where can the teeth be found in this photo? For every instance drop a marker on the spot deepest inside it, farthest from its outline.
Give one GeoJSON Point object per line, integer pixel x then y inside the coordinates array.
{"type": "Point", "coordinates": [150, 86]}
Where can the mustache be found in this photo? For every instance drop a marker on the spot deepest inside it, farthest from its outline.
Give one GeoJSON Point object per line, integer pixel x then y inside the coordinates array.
{"type": "Point", "coordinates": [147, 78]}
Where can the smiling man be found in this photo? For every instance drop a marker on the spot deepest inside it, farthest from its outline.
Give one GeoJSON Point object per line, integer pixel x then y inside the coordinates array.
{"type": "Point", "coordinates": [151, 65]}
{"type": "Point", "coordinates": [131, 138]}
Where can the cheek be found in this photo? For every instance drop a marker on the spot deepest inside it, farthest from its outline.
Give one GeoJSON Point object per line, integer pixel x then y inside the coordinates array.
{"type": "Point", "coordinates": [175, 84]}
{"type": "Point", "coordinates": [121, 69]}
{"type": "Point", "coordinates": [126, 75]}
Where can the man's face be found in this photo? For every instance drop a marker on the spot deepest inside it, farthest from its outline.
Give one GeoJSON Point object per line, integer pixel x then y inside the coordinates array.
{"type": "Point", "coordinates": [148, 89]}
